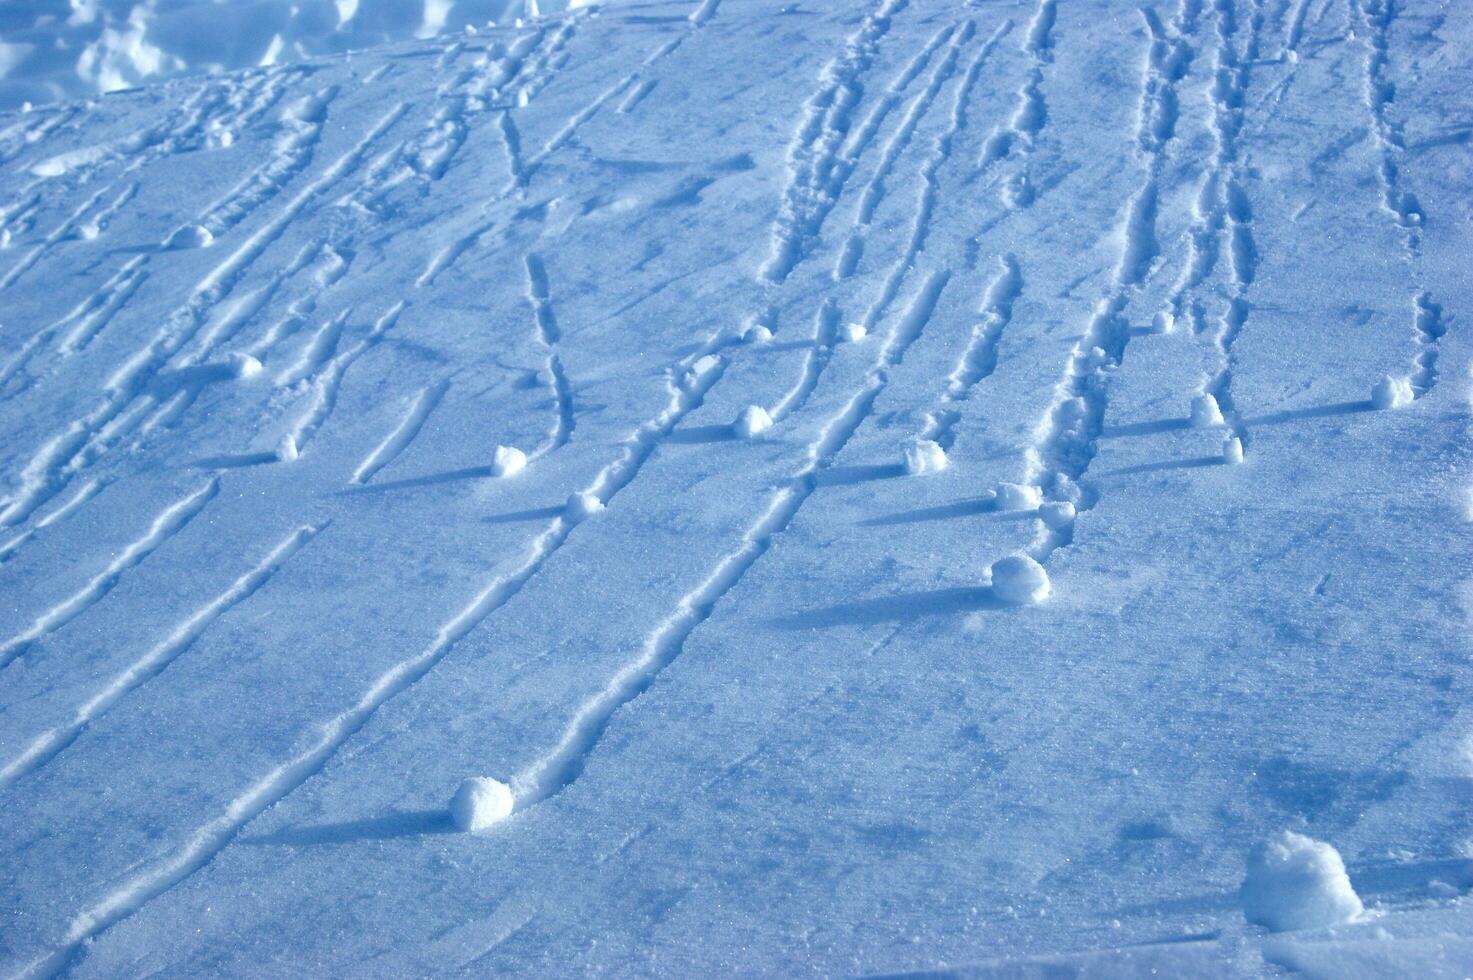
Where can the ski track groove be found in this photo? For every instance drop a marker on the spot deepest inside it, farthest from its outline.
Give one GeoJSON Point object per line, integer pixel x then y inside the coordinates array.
{"type": "Point", "coordinates": [52, 742]}
{"type": "Point", "coordinates": [327, 379]}
{"type": "Point", "coordinates": [404, 433]}
{"type": "Point", "coordinates": [558, 769]}
{"type": "Point", "coordinates": [1068, 433]}
{"type": "Point", "coordinates": [168, 523]}
{"type": "Point", "coordinates": [549, 337]}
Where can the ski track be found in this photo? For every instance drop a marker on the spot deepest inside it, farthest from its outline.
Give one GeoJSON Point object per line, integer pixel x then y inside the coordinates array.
{"type": "Point", "coordinates": [561, 767]}
{"type": "Point", "coordinates": [1066, 443]}
{"type": "Point", "coordinates": [50, 743]}
{"type": "Point", "coordinates": [327, 378]}
{"type": "Point", "coordinates": [65, 509]}
{"type": "Point", "coordinates": [979, 358]}
{"type": "Point", "coordinates": [404, 433]}
{"type": "Point", "coordinates": [1030, 111]}
{"type": "Point", "coordinates": [814, 151]}
{"type": "Point", "coordinates": [549, 337]}
{"type": "Point", "coordinates": [168, 523]}
{"type": "Point", "coordinates": [1378, 94]}
{"type": "Point", "coordinates": [128, 390]}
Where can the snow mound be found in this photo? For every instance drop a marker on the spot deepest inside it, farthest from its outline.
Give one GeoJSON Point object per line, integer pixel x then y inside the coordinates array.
{"type": "Point", "coordinates": [757, 334]}
{"type": "Point", "coordinates": [853, 333]}
{"type": "Point", "coordinates": [582, 506]}
{"type": "Point", "coordinates": [480, 802]}
{"type": "Point", "coordinates": [1232, 450]}
{"type": "Point", "coordinates": [752, 421]}
{"type": "Point", "coordinates": [286, 449]}
{"type": "Point", "coordinates": [1392, 392]}
{"type": "Point", "coordinates": [924, 456]}
{"type": "Point", "coordinates": [507, 461]}
{"type": "Point", "coordinates": [1295, 882]}
{"type": "Point", "coordinates": [1057, 514]}
{"type": "Point", "coordinates": [191, 236]}
{"type": "Point", "coordinates": [1018, 496]}
{"type": "Point", "coordinates": [1205, 412]}
{"type": "Point", "coordinates": [1020, 580]}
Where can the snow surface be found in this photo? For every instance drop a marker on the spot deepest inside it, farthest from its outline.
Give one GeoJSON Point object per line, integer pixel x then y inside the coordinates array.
{"type": "Point", "coordinates": [1294, 882]}
{"type": "Point", "coordinates": [763, 714]}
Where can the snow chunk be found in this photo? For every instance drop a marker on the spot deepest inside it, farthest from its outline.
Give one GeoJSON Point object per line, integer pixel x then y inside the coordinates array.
{"type": "Point", "coordinates": [243, 365]}
{"type": "Point", "coordinates": [752, 420]}
{"type": "Point", "coordinates": [853, 332]}
{"type": "Point", "coordinates": [1018, 496]}
{"type": "Point", "coordinates": [1232, 450]}
{"type": "Point", "coordinates": [697, 371]}
{"type": "Point", "coordinates": [924, 456]}
{"type": "Point", "coordinates": [1392, 392]}
{"type": "Point", "coordinates": [1020, 580]}
{"type": "Point", "coordinates": [1163, 322]}
{"type": "Point", "coordinates": [508, 461]}
{"type": "Point", "coordinates": [1205, 412]}
{"type": "Point", "coordinates": [1295, 882]}
{"type": "Point", "coordinates": [1057, 514]}
{"type": "Point", "coordinates": [581, 506]}
{"type": "Point", "coordinates": [757, 334]}
{"type": "Point", "coordinates": [480, 802]}
{"type": "Point", "coordinates": [286, 449]}
{"type": "Point", "coordinates": [191, 236]}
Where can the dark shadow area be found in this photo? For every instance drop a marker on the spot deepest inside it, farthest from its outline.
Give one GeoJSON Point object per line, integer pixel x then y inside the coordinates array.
{"type": "Point", "coordinates": [516, 516]}
{"type": "Point", "coordinates": [944, 512]}
{"type": "Point", "coordinates": [894, 608]}
{"type": "Point", "coordinates": [233, 462]}
{"type": "Point", "coordinates": [1317, 412]}
{"type": "Point", "coordinates": [1169, 464]}
{"type": "Point", "coordinates": [397, 823]}
{"type": "Point", "coordinates": [449, 476]}
{"type": "Point", "coordinates": [1144, 428]}
{"type": "Point", "coordinates": [843, 476]}
{"type": "Point", "coordinates": [699, 435]}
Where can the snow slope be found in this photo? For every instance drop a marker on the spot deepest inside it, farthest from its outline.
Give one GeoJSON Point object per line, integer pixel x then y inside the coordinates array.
{"type": "Point", "coordinates": [273, 585]}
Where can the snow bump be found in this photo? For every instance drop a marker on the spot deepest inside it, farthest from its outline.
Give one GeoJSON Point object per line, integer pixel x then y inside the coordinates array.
{"type": "Point", "coordinates": [480, 802]}
{"type": "Point", "coordinates": [924, 456]}
{"type": "Point", "coordinates": [507, 461]}
{"type": "Point", "coordinates": [1020, 580]}
{"type": "Point", "coordinates": [1296, 882]}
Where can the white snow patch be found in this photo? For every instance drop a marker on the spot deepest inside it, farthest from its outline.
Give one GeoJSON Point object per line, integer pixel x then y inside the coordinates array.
{"type": "Point", "coordinates": [508, 461]}
{"type": "Point", "coordinates": [1205, 412]}
{"type": "Point", "coordinates": [243, 365]}
{"type": "Point", "coordinates": [1020, 580]}
{"type": "Point", "coordinates": [191, 236]}
{"type": "Point", "coordinates": [1392, 392]}
{"type": "Point", "coordinates": [1057, 514]}
{"type": "Point", "coordinates": [286, 449]}
{"type": "Point", "coordinates": [924, 456]}
{"type": "Point", "coordinates": [480, 802]}
{"type": "Point", "coordinates": [1232, 450]}
{"type": "Point", "coordinates": [757, 334]}
{"type": "Point", "coordinates": [1296, 882]}
{"type": "Point", "coordinates": [751, 421]}
{"type": "Point", "coordinates": [1018, 496]}
{"type": "Point", "coordinates": [582, 505]}
{"type": "Point", "coordinates": [853, 332]}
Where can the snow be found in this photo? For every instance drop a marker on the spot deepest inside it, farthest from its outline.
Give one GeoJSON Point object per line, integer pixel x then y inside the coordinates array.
{"type": "Point", "coordinates": [778, 706]}
{"type": "Point", "coordinates": [1392, 392]}
{"type": "Point", "coordinates": [1294, 882]}
{"type": "Point", "coordinates": [1020, 580]}
{"type": "Point", "coordinates": [480, 802]}
{"type": "Point", "coordinates": [751, 421]}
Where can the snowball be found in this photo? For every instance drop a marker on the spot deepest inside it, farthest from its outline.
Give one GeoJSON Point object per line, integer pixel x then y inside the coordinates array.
{"type": "Point", "coordinates": [853, 332]}
{"type": "Point", "coordinates": [1163, 322]}
{"type": "Point", "coordinates": [1295, 882]}
{"type": "Point", "coordinates": [924, 456]}
{"type": "Point", "coordinates": [479, 803]}
{"type": "Point", "coordinates": [1018, 496]}
{"type": "Point", "coordinates": [286, 449]}
{"type": "Point", "coordinates": [582, 505]}
{"type": "Point", "coordinates": [757, 334]}
{"type": "Point", "coordinates": [89, 232]}
{"type": "Point", "coordinates": [752, 420]}
{"type": "Point", "coordinates": [508, 461]}
{"type": "Point", "coordinates": [191, 236]}
{"type": "Point", "coordinates": [1232, 450]}
{"type": "Point", "coordinates": [1392, 392]}
{"type": "Point", "coordinates": [1057, 514]}
{"type": "Point", "coordinates": [1020, 580]}
{"type": "Point", "coordinates": [243, 365]}
{"type": "Point", "coordinates": [1205, 412]}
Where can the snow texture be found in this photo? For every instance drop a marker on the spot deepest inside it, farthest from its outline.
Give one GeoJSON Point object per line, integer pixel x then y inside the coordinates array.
{"type": "Point", "coordinates": [1295, 882]}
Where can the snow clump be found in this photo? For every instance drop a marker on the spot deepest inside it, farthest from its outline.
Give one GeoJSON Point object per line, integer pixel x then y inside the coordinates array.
{"type": "Point", "coordinates": [1018, 496]}
{"type": "Point", "coordinates": [752, 421]}
{"type": "Point", "coordinates": [1392, 392]}
{"type": "Point", "coordinates": [581, 506]}
{"type": "Point", "coordinates": [1296, 882]}
{"type": "Point", "coordinates": [924, 456]}
{"type": "Point", "coordinates": [480, 802]}
{"type": "Point", "coordinates": [1020, 580]}
{"type": "Point", "coordinates": [1205, 412]}
{"type": "Point", "coordinates": [508, 461]}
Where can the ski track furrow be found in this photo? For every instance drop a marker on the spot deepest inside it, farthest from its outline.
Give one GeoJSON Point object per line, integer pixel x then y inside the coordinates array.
{"type": "Point", "coordinates": [978, 358]}
{"type": "Point", "coordinates": [1378, 93]}
{"type": "Point", "coordinates": [327, 378]}
{"type": "Point", "coordinates": [556, 377]}
{"type": "Point", "coordinates": [559, 768]}
{"type": "Point", "coordinates": [87, 438]}
{"type": "Point", "coordinates": [168, 523]}
{"type": "Point", "coordinates": [50, 743]}
{"type": "Point", "coordinates": [825, 336]}
{"type": "Point", "coordinates": [65, 509]}
{"type": "Point", "coordinates": [1069, 431]}
{"type": "Point", "coordinates": [813, 152]}
{"type": "Point", "coordinates": [404, 433]}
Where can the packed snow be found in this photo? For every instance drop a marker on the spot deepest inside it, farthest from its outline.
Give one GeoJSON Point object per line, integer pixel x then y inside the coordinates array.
{"type": "Point", "coordinates": [736, 488]}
